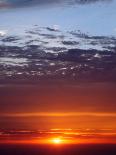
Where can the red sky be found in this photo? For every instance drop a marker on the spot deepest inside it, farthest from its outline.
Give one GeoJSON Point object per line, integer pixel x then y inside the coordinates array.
{"type": "Point", "coordinates": [44, 107]}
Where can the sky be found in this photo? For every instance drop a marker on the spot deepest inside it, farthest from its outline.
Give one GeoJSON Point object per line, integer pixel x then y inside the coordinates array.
{"type": "Point", "coordinates": [94, 17]}
{"type": "Point", "coordinates": [57, 64]}
{"type": "Point", "coordinates": [45, 107]}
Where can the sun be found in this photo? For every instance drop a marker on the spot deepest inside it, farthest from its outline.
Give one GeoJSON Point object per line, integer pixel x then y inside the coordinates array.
{"type": "Point", "coordinates": [56, 141]}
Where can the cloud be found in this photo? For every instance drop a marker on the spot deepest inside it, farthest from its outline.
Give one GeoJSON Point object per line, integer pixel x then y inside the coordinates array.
{"type": "Point", "coordinates": [4, 4]}
{"type": "Point", "coordinates": [19, 3]}
{"type": "Point", "coordinates": [53, 114]}
{"type": "Point", "coordinates": [54, 28]}
{"type": "Point", "coordinates": [3, 32]}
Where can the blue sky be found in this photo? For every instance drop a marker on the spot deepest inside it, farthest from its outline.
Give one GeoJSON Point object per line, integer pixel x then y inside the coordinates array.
{"type": "Point", "coordinates": [95, 18]}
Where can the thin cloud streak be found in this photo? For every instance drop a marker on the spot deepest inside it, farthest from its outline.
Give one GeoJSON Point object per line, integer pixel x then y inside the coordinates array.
{"type": "Point", "coordinates": [66, 114]}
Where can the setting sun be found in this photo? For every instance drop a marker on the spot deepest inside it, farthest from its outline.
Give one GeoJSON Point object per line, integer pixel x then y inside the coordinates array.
{"type": "Point", "coordinates": [56, 140]}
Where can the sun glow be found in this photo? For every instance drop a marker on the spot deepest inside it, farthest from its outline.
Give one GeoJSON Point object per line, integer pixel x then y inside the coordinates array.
{"type": "Point", "coordinates": [56, 141]}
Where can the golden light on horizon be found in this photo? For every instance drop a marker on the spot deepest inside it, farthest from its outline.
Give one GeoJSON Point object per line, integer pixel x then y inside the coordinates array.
{"type": "Point", "coordinates": [56, 140]}
{"type": "Point", "coordinates": [60, 140]}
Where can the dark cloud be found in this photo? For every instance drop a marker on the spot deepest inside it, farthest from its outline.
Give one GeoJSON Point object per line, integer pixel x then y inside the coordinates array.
{"type": "Point", "coordinates": [58, 55]}
{"type": "Point", "coordinates": [10, 39]}
{"type": "Point", "coordinates": [17, 3]}
{"type": "Point", "coordinates": [4, 4]}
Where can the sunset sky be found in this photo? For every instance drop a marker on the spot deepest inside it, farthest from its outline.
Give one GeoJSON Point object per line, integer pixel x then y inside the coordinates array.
{"type": "Point", "coordinates": [58, 67]}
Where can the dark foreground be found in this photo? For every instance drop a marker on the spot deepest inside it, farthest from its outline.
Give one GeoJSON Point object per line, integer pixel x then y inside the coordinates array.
{"type": "Point", "coordinates": [95, 149]}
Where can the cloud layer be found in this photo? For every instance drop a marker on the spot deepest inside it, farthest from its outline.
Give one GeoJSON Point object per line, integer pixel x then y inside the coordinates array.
{"type": "Point", "coordinates": [17, 3]}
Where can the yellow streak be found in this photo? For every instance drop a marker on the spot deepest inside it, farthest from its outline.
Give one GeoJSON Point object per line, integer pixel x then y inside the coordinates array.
{"type": "Point", "coordinates": [53, 114]}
